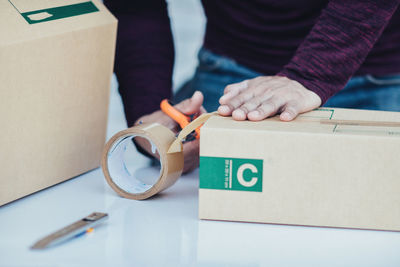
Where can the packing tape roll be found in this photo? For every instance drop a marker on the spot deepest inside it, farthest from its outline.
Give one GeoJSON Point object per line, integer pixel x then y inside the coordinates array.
{"type": "Point", "coordinates": [170, 151]}
{"type": "Point", "coordinates": [117, 174]}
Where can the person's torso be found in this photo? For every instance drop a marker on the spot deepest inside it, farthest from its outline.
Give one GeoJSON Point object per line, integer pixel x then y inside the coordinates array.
{"type": "Point", "coordinates": [264, 34]}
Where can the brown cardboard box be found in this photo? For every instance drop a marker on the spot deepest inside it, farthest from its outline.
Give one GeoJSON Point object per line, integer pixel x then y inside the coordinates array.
{"type": "Point", "coordinates": [56, 60]}
{"type": "Point", "coordinates": [330, 167]}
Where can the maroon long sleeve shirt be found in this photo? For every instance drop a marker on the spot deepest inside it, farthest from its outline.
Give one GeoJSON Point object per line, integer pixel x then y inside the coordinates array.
{"type": "Point", "coordinates": [319, 43]}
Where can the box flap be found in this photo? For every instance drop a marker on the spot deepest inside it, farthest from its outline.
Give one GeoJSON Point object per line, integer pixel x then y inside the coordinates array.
{"type": "Point", "coordinates": [22, 20]}
{"type": "Point", "coordinates": [323, 120]}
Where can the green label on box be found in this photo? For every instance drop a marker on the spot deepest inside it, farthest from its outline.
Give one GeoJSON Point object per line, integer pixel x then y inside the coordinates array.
{"type": "Point", "coordinates": [55, 13]}
{"type": "Point", "coordinates": [231, 174]}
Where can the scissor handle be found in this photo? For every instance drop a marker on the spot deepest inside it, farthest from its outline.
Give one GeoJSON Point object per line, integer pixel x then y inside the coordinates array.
{"type": "Point", "coordinates": [177, 116]}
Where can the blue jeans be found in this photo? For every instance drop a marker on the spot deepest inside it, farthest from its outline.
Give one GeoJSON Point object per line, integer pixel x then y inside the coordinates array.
{"type": "Point", "coordinates": [214, 72]}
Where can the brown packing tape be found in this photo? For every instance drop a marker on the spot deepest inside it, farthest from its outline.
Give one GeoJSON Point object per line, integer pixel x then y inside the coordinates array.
{"type": "Point", "coordinates": [171, 157]}
{"type": "Point", "coordinates": [176, 146]}
{"type": "Point", "coordinates": [171, 163]}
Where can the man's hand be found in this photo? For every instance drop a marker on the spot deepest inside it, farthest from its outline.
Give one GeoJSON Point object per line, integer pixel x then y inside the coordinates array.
{"type": "Point", "coordinates": [189, 106]}
{"type": "Point", "coordinates": [265, 96]}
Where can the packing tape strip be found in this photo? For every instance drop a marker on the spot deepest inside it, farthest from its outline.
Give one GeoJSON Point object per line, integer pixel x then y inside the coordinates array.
{"type": "Point", "coordinates": [170, 151]}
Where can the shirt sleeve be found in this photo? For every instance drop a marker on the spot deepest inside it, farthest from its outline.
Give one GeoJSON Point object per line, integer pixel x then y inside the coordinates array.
{"type": "Point", "coordinates": [338, 44]}
{"type": "Point", "coordinates": [144, 55]}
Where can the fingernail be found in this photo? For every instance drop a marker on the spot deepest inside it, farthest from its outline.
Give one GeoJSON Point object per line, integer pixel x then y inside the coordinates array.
{"type": "Point", "coordinates": [238, 113]}
{"type": "Point", "coordinates": [224, 109]}
{"type": "Point", "coordinates": [254, 115]}
{"type": "Point", "coordinates": [286, 116]}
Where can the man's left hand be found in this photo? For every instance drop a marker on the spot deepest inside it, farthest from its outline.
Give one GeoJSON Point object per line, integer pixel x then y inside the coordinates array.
{"type": "Point", "coordinates": [266, 96]}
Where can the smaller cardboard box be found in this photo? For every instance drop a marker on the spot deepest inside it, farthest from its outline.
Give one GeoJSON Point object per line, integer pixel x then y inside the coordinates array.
{"type": "Point", "coordinates": [329, 167]}
{"type": "Point", "coordinates": [56, 62]}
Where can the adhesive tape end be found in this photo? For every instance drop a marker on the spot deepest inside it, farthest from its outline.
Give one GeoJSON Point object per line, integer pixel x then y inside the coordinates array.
{"type": "Point", "coordinates": [175, 147]}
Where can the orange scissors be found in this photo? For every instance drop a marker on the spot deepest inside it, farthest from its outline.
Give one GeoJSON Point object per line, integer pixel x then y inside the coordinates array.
{"type": "Point", "coordinates": [182, 119]}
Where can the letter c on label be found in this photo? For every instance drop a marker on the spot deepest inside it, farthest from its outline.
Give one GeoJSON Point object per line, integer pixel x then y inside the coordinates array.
{"type": "Point", "coordinates": [240, 178]}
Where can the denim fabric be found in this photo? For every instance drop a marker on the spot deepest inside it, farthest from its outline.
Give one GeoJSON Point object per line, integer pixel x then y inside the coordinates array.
{"type": "Point", "coordinates": [215, 72]}
{"type": "Point", "coordinates": [369, 92]}
{"type": "Point", "coordinates": [212, 75]}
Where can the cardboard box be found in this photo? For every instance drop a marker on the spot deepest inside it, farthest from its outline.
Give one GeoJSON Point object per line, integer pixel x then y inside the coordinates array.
{"type": "Point", "coordinates": [56, 64]}
{"type": "Point", "coordinates": [329, 167]}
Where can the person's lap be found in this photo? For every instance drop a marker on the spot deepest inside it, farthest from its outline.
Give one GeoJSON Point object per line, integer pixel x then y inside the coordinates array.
{"type": "Point", "coordinates": [212, 75]}
{"type": "Point", "coordinates": [215, 72]}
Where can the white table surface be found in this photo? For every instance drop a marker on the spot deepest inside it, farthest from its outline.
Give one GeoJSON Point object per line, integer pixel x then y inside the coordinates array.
{"type": "Point", "coordinates": [165, 231]}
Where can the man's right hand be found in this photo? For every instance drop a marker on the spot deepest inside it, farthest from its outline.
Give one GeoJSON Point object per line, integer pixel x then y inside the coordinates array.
{"type": "Point", "coordinates": [189, 106]}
